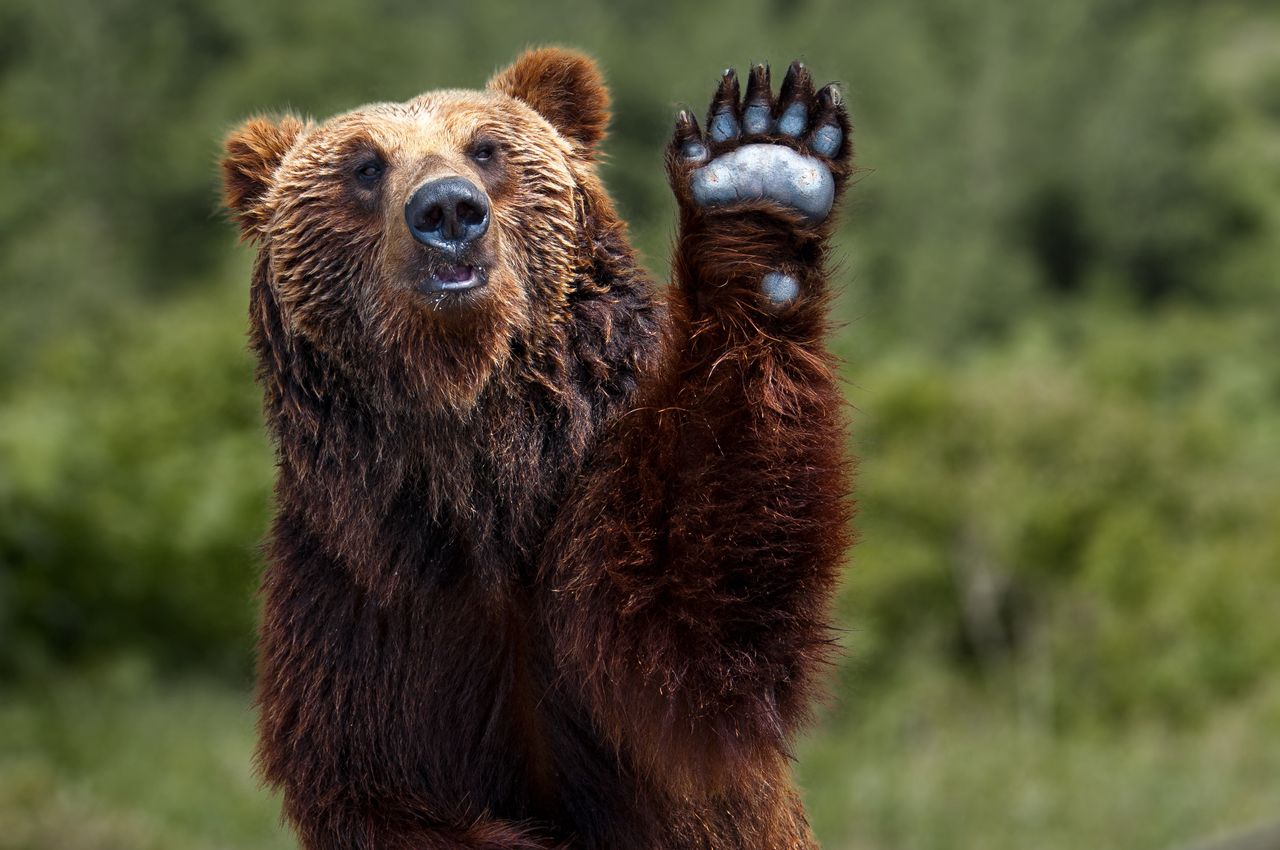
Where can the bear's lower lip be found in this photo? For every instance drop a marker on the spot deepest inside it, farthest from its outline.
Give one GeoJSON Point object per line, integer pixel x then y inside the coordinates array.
{"type": "Point", "coordinates": [454, 277]}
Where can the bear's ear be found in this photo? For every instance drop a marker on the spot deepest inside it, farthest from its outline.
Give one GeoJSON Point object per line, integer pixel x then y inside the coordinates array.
{"type": "Point", "coordinates": [249, 161]}
{"type": "Point", "coordinates": [565, 87]}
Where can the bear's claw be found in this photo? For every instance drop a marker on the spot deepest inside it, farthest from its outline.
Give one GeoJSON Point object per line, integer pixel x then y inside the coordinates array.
{"type": "Point", "coordinates": [759, 148]}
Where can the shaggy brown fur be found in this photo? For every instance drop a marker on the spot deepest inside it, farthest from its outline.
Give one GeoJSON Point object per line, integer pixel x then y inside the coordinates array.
{"type": "Point", "coordinates": [552, 560]}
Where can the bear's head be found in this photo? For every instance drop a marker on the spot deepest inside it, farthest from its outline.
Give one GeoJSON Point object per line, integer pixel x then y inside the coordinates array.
{"type": "Point", "coordinates": [422, 247]}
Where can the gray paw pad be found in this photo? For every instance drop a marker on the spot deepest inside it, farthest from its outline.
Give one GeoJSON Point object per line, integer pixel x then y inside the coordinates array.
{"type": "Point", "coordinates": [826, 140]}
{"type": "Point", "coordinates": [755, 118]}
{"type": "Point", "coordinates": [695, 151]}
{"type": "Point", "coordinates": [781, 289]}
{"type": "Point", "coordinates": [793, 120]}
{"type": "Point", "coordinates": [766, 173]}
{"type": "Point", "coordinates": [723, 127]}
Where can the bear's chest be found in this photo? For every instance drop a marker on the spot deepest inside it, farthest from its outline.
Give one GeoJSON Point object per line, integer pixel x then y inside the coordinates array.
{"type": "Point", "coordinates": [456, 687]}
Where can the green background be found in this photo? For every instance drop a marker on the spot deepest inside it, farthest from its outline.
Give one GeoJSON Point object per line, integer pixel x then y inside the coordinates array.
{"type": "Point", "coordinates": [1060, 281]}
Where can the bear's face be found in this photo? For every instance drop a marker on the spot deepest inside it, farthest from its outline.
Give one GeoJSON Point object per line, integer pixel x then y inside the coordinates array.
{"type": "Point", "coordinates": [415, 244]}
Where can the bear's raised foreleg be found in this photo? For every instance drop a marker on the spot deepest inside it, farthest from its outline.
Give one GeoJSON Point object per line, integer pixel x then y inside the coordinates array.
{"type": "Point", "coordinates": [695, 564]}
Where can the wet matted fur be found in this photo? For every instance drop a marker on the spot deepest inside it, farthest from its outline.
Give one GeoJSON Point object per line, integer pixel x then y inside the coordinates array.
{"type": "Point", "coordinates": [552, 556]}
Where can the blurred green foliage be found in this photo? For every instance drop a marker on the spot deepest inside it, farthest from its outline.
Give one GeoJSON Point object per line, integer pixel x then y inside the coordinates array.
{"type": "Point", "coordinates": [1096, 499]}
{"type": "Point", "coordinates": [134, 488]}
{"type": "Point", "coordinates": [1060, 274]}
{"type": "Point", "coordinates": [112, 759]}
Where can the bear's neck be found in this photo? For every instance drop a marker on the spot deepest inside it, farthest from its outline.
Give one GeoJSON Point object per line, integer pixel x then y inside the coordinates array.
{"type": "Point", "coordinates": [399, 497]}
{"type": "Point", "coordinates": [407, 499]}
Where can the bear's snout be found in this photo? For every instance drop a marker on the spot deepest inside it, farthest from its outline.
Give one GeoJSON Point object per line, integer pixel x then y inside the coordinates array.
{"type": "Point", "coordinates": [448, 214]}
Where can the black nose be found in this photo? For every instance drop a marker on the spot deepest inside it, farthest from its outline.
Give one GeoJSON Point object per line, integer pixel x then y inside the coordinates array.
{"type": "Point", "coordinates": [447, 213]}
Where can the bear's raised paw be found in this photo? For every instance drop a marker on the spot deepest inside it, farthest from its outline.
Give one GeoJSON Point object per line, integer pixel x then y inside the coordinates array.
{"type": "Point", "coordinates": [791, 150]}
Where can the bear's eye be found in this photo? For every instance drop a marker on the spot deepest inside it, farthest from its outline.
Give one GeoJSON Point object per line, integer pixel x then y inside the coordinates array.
{"type": "Point", "coordinates": [484, 151]}
{"type": "Point", "coordinates": [369, 171]}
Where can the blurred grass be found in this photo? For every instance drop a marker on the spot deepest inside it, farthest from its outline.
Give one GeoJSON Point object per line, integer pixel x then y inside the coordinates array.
{"type": "Point", "coordinates": [930, 765]}
{"type": "Point", "coordinates": [114, 760]}
{"type": "Point", "coordinates": [1059, 307]}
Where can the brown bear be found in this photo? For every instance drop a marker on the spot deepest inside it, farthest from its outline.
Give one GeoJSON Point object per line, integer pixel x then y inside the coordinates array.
{"type": "Point", "coordinates": [553, 551]}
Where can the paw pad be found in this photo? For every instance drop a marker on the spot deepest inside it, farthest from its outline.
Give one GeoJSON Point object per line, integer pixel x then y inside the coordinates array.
{"type": "Point", "coordinates": [766, 173]}
{"type": "Point", "coordinates": [781, 290]}
{"type": "Point", "coordinates": [749, 152]}
{"type": "Point", "coordinates": [825, 141]}
{"type": "Point", "coordinates": [794, 120]}
{"type": "Point", "coordinates": [695, 151]}
{"type": "Point", "coordinates": [755, 119]}
{"type": "Point", "coordinates": [724, 126]}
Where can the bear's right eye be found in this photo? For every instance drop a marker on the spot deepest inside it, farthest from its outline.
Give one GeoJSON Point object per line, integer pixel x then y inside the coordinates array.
{"type": "Point", "coordinates": [369, 172]}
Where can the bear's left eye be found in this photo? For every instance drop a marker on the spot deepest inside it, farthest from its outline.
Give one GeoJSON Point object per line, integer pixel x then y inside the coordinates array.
{"type": "Point", "coordinates": [369, 172]}
{"type": "Point", "coordinates": [484, 151]}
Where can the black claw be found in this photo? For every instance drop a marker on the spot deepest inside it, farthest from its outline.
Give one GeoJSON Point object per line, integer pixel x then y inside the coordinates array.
{"type": "Point", "coordinates": [727, 93]}
{"type": "Point", "coordinates": [722, 119]}
{"type": "Point", "coordinates": [830, 98]}
{"type": "Point", "coordinates": [796, 85]}
{"type": "Point", "coordinates": [758, 83]}
{"type": "Point", "coordinates": [687, 127]}
{"type": "Point", "coordinates": [757, 110]}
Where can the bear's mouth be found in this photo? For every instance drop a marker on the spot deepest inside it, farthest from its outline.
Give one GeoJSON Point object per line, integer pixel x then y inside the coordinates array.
{"type": "Point", "coordinates": [453, 277]}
